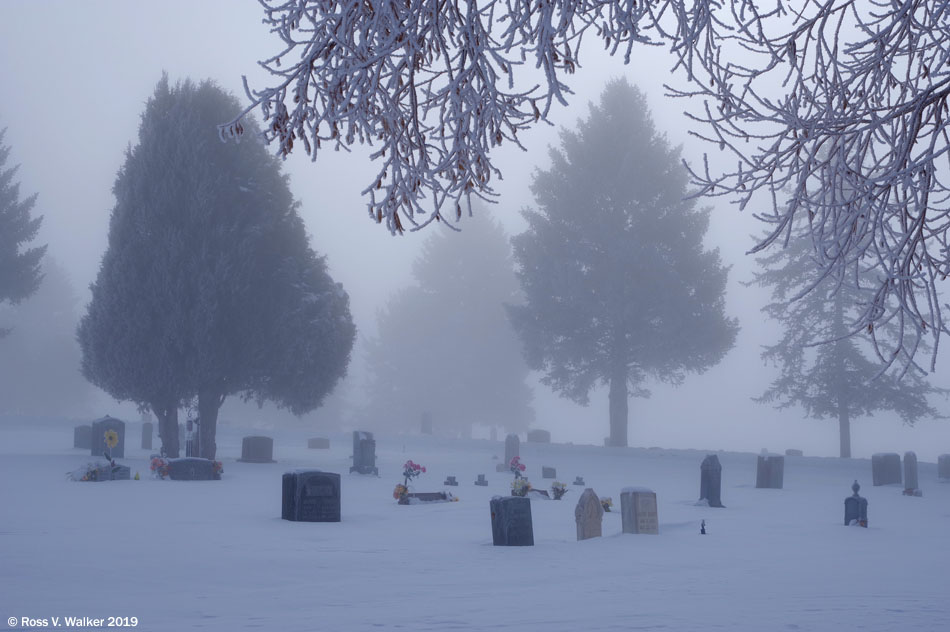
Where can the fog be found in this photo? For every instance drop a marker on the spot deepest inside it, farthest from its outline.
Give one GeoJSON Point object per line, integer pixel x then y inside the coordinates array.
{"type": "Point", "coordinates": [75, 78]}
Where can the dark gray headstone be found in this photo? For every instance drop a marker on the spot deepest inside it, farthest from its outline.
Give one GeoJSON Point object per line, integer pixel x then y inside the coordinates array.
{"type": "Point", "coordinates": [710, 481]}
{"type": "Point", "coordinates": [512, 448]}
{"type": "Point", "coordinates": [638, 511]}
{"type": "Point", "coordinates": [121, 473]}
{"type": "Point", "coordinates": [97, 437]}
{"type": "Point", "coordinates": [911, 485]}
{"type": "Point", "coordinates": [511, 521]}
{"type": "Point", "coordinates": [589, 515]}
{"type": "Point", "coordinates": [318, 443]}
{"type": "Point", "coordinates": [450, 480]}
{"type": "Point", "coordinates": [82, 437]}
{"type": "Point", "coordinates": [147, 431]}
{"type": "Point", "coordinates": [539, 436]}
{"type": "Point", "coordinates": [311, 496]}
{"type": "Point", "coordinates": [791, 452]}
{"type": "Point", "coordinates": [855, 508]}
{"type": "Point", "coordinates": [426, 424]}
{"type": "Point", "coordinates": [943, 467]}
{"type": "Point", "coordinates": [886, 469]}
{"type": "Point", "coordinates": [191, 469]}
{"type": "Point", "coordinates": [770, 471]}
{"type": "Point", "coordinates": [548, 472]}
{"type": "Point", "coordinates": [257, 449]}
{"type": "Point", "coordinates": [364, 453]}
{"type": "Point", "coordinates": [481, 482]}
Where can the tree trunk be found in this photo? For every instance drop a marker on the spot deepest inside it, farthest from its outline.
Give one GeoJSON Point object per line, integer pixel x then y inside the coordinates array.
{"type": "Point", "coordinates": [844, 430]}
{"type": "Point", "coordinates": [843, 394]}
{"type": "Point", "coordinates": [209, 402]}
{"type": "Point", "coordinates": [168, 428]}
{"type": "Point", "coordinates": [618, 407]}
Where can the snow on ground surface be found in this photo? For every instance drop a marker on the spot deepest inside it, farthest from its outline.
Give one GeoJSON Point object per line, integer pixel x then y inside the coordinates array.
{"type": "Point", "coordinates": [216, 556]}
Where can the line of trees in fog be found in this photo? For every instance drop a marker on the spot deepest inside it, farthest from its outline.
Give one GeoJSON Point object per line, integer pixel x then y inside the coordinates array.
{"type": "Point", "coordinates": [209, 287]}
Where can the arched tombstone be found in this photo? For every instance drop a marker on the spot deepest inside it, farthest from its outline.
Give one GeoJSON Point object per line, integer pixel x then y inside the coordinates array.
{"type": "Point", "coordinates": [710, 481]}
{"type": "Point", "coordinates": [589, 515]}
{"type": "Point", "coordinates": [98, 445]}
{"type": "Point", "coordinates": [911, 485]}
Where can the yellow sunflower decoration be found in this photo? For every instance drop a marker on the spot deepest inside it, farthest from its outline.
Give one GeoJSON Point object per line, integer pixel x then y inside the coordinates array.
{"type": "Point", "coordinates": [111, 438]}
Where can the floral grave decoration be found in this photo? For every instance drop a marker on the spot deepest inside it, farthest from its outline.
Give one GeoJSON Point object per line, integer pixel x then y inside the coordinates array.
{"type": "Point", "coordinates": [410, 470]}
{"type": "Point", "coordinates": [159, 467]}
{"type": "Point", "coordinates": [516, 466]}
{"type": "Point", "coordinates": [520, 487]}
{"type": "Point", "coordinates": [607, 502]}
{"type": "Point", "coordinates": [558, 489]}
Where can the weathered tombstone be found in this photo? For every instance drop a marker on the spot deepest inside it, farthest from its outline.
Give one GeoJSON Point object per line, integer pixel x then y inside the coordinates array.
{"type": "Point", "coordinates": [450, 480]}
{"type": "Point", "coordinates": [311, 496]}
{"type": "Point", "coordinates": [943, 467]}
{"type": "Point", "coordinates": [512, 448]}
{"type": "Point", "coordinates": [589, 515]}
{"type": "Point", "coordinates": [192, 469]}
{"type": "Point", "coordinates": [318, 443]}
{"type": "Point", "coordinates": [511, 521]}
{"type": "Point", "coordinates": [578, 480]}
{"type": "Point", "coordinates": [855, 508]}
{"type": "Point", "coordinates": [769, 471]}
{"type": "Point", "coordinates": [97, 437]}
{"type": "Point", "coordinates": [426, 425]}
{"type": "Point", "coordinates": [791, 452]}
{"type": "Point", "coordinates": [911, 485]}
{"type": "Point", "coordinates": [257, 450]}
{"type": "Point", "coordinates": [886, 469]}
{"type": "Point", "coordinates": [481, 482]}
{"type": "Point", "coordinates": [364, 453]}
{"type": "Point", "coordinates": [147, 431]}
{"type": "Point", "coordinates": [121, 473]}
{"type": "Point", "coordinates": [638, 510]}
{"type": "Point", "coordinates": [710, 481]}
{"type": "Point", "coordinates": [539, 436]}
{"type": "Point", "coordinates": [548, 472]}
{"type": "Point", "coordinates": [82, 437]}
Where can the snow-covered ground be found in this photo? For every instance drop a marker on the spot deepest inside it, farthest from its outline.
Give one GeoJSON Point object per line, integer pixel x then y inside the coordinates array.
{"type": "Point", "coordinates": [216, 555]}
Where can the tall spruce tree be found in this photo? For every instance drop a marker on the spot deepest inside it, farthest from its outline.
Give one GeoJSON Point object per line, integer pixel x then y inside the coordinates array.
{"type": "Point", "coordinates": [825, 365]}
{"type": "Point", "coordinates": [20, 274]}
{"type": "Point", "coordinates": [445, 347]}
{"type": "Point", "coordinates": [617, 283]}
{"type": "Point", "coordinates": [209, 287]}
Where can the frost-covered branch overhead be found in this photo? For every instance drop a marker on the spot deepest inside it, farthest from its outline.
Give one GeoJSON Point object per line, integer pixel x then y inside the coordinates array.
{"type": "Point", "coordinates": [840, 103]}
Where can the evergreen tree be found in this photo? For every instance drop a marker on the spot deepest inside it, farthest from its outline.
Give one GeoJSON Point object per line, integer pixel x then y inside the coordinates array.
{"type": "Point", "coordinates": [19, 268]}
{"type": "Point", "coordinates": [445, 347]}
{"type": "Point", "coordinates": [826, 366]}
{"type": "Point", "coordinates": [209, 287]}
{"type": "Point", "coordinates": [618, 285]}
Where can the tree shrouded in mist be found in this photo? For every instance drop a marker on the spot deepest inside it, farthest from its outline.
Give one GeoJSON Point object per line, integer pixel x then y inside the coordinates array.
{"type": "Point", "coordinates": [776, 87]}
{"type": "Point", "coordinates": [617, 283]}
{"type": "Point", "coordinates": [825, 367]}
{"type": "Point", "coordinates": [209, 286]}
{"type": "Point", "coordinates": [445, 347]}
{"type": "Point", "coordinates": [20, 274]}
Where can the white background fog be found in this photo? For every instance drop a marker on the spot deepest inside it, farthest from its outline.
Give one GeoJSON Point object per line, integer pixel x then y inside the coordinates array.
{"type": "Point", "coordinates": [75, 79]}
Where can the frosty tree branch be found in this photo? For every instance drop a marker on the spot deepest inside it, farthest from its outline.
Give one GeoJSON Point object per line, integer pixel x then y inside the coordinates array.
{"type": "Point", "coordinates": [842, 103]}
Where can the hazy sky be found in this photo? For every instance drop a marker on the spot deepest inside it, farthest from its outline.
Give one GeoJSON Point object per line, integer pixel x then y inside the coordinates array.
{"type": "Point", "coordinates": [75, 77]}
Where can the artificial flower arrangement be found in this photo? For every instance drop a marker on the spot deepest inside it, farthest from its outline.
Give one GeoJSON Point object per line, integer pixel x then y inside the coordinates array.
{"type": "Point", "coordinates": [607, 502]}
{"type": "Point", "coordinates": [516, 466]}
{"type": "Point", "coordinates": [159, 467]}
{"type": "Point", "coordinates": [99, 471]}
{"type": "Point", "coordinates": [558, 489]}
{"type": "Point", "coordinates": [520, 487]}
{"type": "Point", "coordinates": [410, 470]}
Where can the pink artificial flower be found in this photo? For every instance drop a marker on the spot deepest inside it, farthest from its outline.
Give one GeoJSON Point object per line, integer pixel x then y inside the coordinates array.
{"type": "Point", "coordinates": [423, 469]}
{"type": "Point", "coordinates": [521, 467]}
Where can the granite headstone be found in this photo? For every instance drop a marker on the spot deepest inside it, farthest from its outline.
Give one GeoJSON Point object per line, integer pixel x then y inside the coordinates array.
{"type": "Point", "coordinates": [512, 448]}
{"type": "Point", "coordinates": [192, 469]}
{"type": "Point", "coordinates": [311, 496]}
{"type": "Point", "coordinates": [638, 510]}
{"type": "Point", "coordinates": [481, 482]}
{"type": "Point", "coordinates": [257, 449]}
{"type": "Point", "coordinates": [885, 468]}
{"type": "Point", "coordinates": [97, 437]}
{"type": "Point", "coordinates": [364, 453]}
{"type": "Point", "coordinates": [548, 472]}
{"type": "Point", "coordinates": [511, 521]}
{"type": "Point", "coordinates": [769, 471]}
{"type": "Point", "coordinates": [911, 484]}
{"type": "Point", "coordinates": [710, 481]}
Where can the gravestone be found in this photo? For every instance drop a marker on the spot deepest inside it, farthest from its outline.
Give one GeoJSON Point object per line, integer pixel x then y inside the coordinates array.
{"type": "Point", "coordinates": [192, 469]}
{"type": "Point", "coordinates": [710, 481]}
{"type": "Point", "coordinates": [539, 436]}
{"type": "Point", "coordinates": [311, 496]}
{"type": "Point", "coordinates": [481, 482]}
{"type": "Point", "coordinates": [769, 471]}
{"type": "Point", "coordinates": [886, 469]}
{"type": "Point", "coordinates": [943, 467]}
{"type": "Point", "coordinates": [501, 467]}
{"type": "Point", "coordinates": [638, 510]}
{"type": "Point", "coordinates": [450, 480]}
{"type": "Point", "coordinates": [855, 508]}
{"type": "Point", "coordinates": [426, 424]}
{"type": "Point", "coordinates": [511, 521]}
{"type": "Point", "coordinates": [147, 431]}
{"type": "Point", "coordinates": [121, 473]}
{"type": "Point", "coordinates": [318, 443]}
{"type": "Point", "coordinates": [911, 485]}
{"type": "Point", "coordinates": [82, 437]}
{"type": "Point", "coordinates": [578, 480]}
{"type": "Point", "coordinates": [512, 448]}
{"type": "Point", "coordinates": [548, 472]}
{"type": "Point", "coordinates": [97, 437]}
{"type": "Point", "coordinates": [257, 450]}
{"type": "Point", "coordinates": [589, 515]}
{"type": "Point", "coordinates": [794, 453]}
{"type": "Point", "coordinates": [364, 453]}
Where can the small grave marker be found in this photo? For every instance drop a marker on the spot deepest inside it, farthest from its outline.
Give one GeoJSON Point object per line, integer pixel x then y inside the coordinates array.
{"type": "Point", "coordinates": [578, 480]}
{"type": "Point", "coordinates": [481, 482]}
{"type": "Point", "coordinates": [257, 449]}
{"type": "Point", "coordinates": [548, 472]}
{"type": "Point", "coordinates": [450, 480]}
